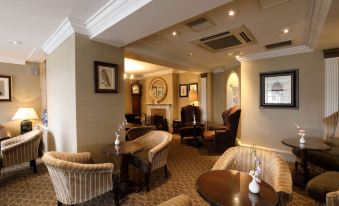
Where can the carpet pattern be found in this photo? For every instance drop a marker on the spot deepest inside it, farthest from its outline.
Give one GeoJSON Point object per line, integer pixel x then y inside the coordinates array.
{"type": "Point", "coordinates": [19, 186]}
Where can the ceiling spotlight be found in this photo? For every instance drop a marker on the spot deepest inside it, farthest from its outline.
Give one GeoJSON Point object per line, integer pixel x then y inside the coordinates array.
{"type": "Point", "coordinates": [14, 42]}
{"type": "Point", "coordinates": [231, 12]}
{"type": "Point", "coordinates": [189, 54]}
{"type": "Point", "coordinates": [175, 33]}
{"type": "Point", "coordinates": [285, 31]}
{"type": "Point", "coordinates": [237, 56]}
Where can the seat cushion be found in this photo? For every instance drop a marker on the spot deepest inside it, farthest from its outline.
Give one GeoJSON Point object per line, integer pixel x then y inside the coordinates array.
{"type": "Point", "coordinates": [140, 160]}
{"type": "Point", "coordinates": [322, 184]}
{"type": "Point", "coordinates": [208, 135]}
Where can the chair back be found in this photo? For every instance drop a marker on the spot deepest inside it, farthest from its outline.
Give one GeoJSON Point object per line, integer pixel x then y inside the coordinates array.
{"type": "Point", "coordinates": [136, 132]}
{"type": "Point", "coordinates": [331, 126]}
{"type": "Point", "coordinates": [227, 112]}
{"type": "Point", "coordinates": [233, 121]}
{"type": "Point", "coordinates": [187, 114]}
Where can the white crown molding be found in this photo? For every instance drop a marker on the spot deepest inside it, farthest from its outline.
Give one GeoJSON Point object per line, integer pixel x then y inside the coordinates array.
{"type": "Point", "coordinates": [12, 60]}
{"type": "Point", "coordinates": [113, 12]}
{"type": "Point", "coordinates": [320, 9]}
{"type": "Point", "coordinates": [276, 53]}
{"type": "Point", "coordinates": [64, 31]}
{"type": "Point", "coordinates": [36, 55]}
{"type": "Point", "coordinates": [78, 26]}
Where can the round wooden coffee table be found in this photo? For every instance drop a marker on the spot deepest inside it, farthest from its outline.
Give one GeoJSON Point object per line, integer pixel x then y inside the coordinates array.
{"type": "Point", "coordinates": [230, 187]}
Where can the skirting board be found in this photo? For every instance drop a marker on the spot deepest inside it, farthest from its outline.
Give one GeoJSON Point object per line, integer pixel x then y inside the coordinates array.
{"type": "Point", "coordinates": [287, 155]}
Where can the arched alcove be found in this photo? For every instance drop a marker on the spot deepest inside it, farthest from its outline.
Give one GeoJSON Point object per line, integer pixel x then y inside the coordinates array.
{"type": "Point", "coordinates": [232, 90]}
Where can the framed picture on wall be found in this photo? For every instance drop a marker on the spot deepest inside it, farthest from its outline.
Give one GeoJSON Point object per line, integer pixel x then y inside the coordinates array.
{"type": "Point", "coordinates": [279, 89]}
{"type": "Point", "coordinates": [193, 86]}
{"type": "Point", "coordinates": [105, 77]}
{"type": "Point", "coordinates": [183, 90]}
{"type": "Point", "coordinates": [5, 88]}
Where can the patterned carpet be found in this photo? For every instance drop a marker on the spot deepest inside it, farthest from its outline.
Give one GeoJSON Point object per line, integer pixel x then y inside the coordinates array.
{"type": "Point", "coordinates": [19, 186]}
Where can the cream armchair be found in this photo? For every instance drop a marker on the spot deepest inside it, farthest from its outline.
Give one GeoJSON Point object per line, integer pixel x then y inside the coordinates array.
{"type": "Point", "coordinates": [76, 179]}
{"type": "Point", "coordinates": [181, 200]}
{"type": "Point", "coordinates": [275, 171]}
{"type": "Point", "coordinates": [154, 155]}
{"type": "Point", "coordinates": [20, 149]}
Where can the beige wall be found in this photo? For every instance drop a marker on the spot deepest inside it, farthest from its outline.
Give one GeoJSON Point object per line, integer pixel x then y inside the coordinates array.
{"type": "Point", "coordinates": [98, 114]}
{"type": "Point", "coordinates": [25, 93]}
{"type": "Point", "coordinates": [267, 127]}
{"type": "Point", "coordinates": [128, 98]}
{"type": "Point", "coordinates": [61, 100]}
{"type": "Point", "coordinates": [219, 97]}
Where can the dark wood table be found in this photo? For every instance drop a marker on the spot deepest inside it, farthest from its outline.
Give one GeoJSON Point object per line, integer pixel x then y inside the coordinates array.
{"type": "Point", "coordinates": [124, 150]}
{"type": "Point", "coordinates": [230, 187]}
{"type": "Point", "coordinates": [301, 173]}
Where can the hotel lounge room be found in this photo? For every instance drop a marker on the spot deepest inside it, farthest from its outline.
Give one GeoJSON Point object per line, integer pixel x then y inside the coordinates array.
{"type": "Point", "coordinates": [169, 102]}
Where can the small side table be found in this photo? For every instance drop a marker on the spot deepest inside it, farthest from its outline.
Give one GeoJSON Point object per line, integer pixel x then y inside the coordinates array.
{"type": "Point", "coordinates": [301, 168]}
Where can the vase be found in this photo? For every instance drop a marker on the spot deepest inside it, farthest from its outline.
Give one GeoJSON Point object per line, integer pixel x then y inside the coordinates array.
{"type": "Point", "coordinates": [302, 140]}
{"type": "Point", "coordinates": [117, 141]}
{"type": "Point", "coordinates": [254, 186]}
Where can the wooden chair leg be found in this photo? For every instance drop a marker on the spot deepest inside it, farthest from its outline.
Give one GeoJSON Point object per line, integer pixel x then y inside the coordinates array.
{"type": "Point", "coordinates": [59, 203]}
{"type": "Point", "coordinates": [166, 171]}
{"type": "Point", "coordinates": [32, 163]}
{"type": "Point", "coordinates": [116, 190]}
{"type": "Point", "coordinates": [147, 176]}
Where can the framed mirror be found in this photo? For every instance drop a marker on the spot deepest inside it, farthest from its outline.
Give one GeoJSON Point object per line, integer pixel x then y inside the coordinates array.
{"type": "Point", "coordinates": [158, 89]}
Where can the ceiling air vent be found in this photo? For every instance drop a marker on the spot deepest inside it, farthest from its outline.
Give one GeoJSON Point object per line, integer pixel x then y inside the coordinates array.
{"type": "Point", "coordinates": [236, 37]}
{"type": "Point", "coordinates": [199, 24]}
{"type": "Point", "coordinates": [278, 44]}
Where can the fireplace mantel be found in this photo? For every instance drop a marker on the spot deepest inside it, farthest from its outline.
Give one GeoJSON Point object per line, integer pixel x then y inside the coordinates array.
{"type": "Point", "coordinates": [167, 107]}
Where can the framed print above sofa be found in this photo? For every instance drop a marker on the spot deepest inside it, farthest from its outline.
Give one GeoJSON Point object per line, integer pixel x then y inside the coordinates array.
{"type": "Point", "coordinates": [5, 88]}
{"type": "Point", "coordinates": [279, 89]}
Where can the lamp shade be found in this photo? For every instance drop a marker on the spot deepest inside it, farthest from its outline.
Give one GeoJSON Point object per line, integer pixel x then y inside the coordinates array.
{"type": "Point", "coordinates": [193, 96]}
{"type": "Point", "coordinates": [25, 114]}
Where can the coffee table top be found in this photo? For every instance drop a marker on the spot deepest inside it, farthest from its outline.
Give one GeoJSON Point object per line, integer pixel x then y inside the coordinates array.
{"type": "Point", "coordinates": [230, 187]}
{"type": "Point", "coordinates": [311, 144]}
{"type": "Point", "coordinates": [123, 148]}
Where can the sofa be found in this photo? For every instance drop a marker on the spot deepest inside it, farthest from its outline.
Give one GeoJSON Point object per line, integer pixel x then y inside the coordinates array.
{"type": "Point", "coordinates": [326, 160]}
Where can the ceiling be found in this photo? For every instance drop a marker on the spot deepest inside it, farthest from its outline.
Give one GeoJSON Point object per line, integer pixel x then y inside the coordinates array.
{"type": "Point", "coordinates": [138, 68]}
{"type": "Point", "coordinates": [144, 28]}
{"type": "Point", "coordinates": [266, 25]}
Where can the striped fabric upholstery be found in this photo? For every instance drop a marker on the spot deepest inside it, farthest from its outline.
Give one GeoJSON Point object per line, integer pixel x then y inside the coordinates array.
{"type": "Point", "coordinates": [20, 149]}
{"type": "Point", "coordinates": [275, 171]}
{"type": "Point", "coordinates": [136, 132]}
{"type": "Point", "coordinates": [157, 142]}
{"type": "Point", "coordinates": [331, 126]}
{"type": "Point", "coordinates": [181, 200]}
{"type": "Point", "coordinates": [75, 178]}
{"type": "Point", "coordinates": [332, 198]}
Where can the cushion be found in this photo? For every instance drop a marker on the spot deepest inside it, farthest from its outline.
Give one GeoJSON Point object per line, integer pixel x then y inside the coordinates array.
{"type": "Point", "coordinates": [208, 135]}
{"type": "Point", "coordinates": [322, 184]}
{"type": "Point", "coordinates": [334, 142]}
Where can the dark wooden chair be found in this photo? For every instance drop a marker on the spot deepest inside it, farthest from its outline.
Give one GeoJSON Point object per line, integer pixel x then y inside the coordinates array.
{"type": "Point", "coordinates": [221, 139]}
{"type": "Point", "coordinates": [186, 128]}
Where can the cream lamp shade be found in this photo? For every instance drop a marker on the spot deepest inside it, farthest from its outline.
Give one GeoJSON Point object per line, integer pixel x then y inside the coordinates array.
{"type": "Point", "coordinates": [193, 96]}
{"type": "Point", "coordinates": [25, 114]}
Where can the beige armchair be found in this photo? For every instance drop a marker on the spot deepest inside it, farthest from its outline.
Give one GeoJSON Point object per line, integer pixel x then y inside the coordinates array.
{"type": "Point", "coordinates": [181, 200]}
{"type": "Point", "coordinates": [275, 171]}
{"type": "Point", "coordinates": [20, 149]}
{"type": "Point", "coordinates": [76, 179]}
{"type": "Point", "coordinates": [154, 155]}
{"type": "Point", "coordinates": [136, 132]}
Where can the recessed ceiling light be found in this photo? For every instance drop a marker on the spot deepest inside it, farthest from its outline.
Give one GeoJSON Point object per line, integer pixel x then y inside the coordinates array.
{"type": "Point", "coordinates": [231, 12]}
{"type": "Point", "coordinates": [286, 30]}
{"type": "Point", "coordinates": [15, 42]}
{"type": "Point", "coordinates": [189, 54]}
{"type": "Point", "coordinates": [237, 56]}
{"type": "Point", "coordinates": [175, 33]}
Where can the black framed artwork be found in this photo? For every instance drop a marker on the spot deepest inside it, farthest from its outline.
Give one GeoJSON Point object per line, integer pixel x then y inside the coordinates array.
{"type": "Point", "coordinates": [279, 89]}
{"type": "Point", "coordinates": [183, 90]}
{"type": "Point", "coordinates": [105, 77]}
{"type": "Point", "coordinates": [5, 88]}
{"type": "Point", "coordinates": [193, 86]}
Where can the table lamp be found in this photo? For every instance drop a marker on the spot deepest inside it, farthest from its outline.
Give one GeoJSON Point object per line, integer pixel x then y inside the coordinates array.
{"type": "Point", "coordinates": [25, 114]}
{"type": "Point", "coordinates": [193, 96]}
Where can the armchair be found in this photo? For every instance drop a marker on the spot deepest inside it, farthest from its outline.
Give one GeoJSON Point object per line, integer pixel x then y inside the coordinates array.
{"type": "Point", "coordinates": [154, 155]}
{"type": "Point", "coordinates": [186, 129]}
{"type": "Point", "coordinates": [275, 171]}
{"type": "Point", "coordinates": [20, 149]}
{"type": "Point", "coordinates": [181, 200]}
{"type": "Point", "coordinates": [75, 179]}
{"type": "Point", "coordinates": [136, 132]}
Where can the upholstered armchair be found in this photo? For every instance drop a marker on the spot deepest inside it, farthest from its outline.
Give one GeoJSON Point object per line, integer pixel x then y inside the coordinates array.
{"type": "Point", "coordinates": [220, 138]}
{"type": "Point", "coordinates": [154, 155]}
{"type": "Point", "coordinates": [136, 132]}
{"type": "Point", "coordinates": [20, 149]}
{"type": "Point", "coordinates": [275, 171]}
{"type": "Point", "coordinates": [186, 128]}
{"type": "Point", "coordinates": [181, 200]}
{"type": "Point", "coordinates": [76, 179]}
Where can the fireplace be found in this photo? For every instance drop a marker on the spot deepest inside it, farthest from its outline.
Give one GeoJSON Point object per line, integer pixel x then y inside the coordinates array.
{"type": "Point", "coordinates": [161, 109]}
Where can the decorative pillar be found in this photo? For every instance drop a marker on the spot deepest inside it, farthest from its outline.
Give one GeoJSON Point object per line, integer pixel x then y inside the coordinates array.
{"type": "Point", "coordinates": [331, 81]}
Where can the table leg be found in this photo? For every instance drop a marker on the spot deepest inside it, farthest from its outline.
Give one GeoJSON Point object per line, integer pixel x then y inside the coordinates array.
{"type": "Point", "coordinates": [126, 185]}
{"type": "Point", "coordinates": [301, 172]}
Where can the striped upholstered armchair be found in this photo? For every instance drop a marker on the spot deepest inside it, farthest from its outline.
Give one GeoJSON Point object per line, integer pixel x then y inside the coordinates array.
{"type": "Point", "coordinates": [20, 149]}
{"type": "Point", "coordinates": [76, 179]}
{"type": "Point", "coordinates": [136, 132]}
{"type": "Point", "coordinates": [275, 171]}
{"type": "Point", "coordinates": [181, 200]}
{"type": "Point", "coordinates": [154, 155]}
